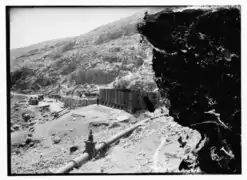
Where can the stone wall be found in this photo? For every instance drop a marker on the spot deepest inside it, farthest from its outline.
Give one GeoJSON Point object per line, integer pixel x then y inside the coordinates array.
{"type": "Point", "coordinates": [72, 102]}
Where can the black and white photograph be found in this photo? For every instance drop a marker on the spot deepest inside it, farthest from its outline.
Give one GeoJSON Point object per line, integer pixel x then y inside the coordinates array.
{"type": "Point", "coordinates": [121, 90]}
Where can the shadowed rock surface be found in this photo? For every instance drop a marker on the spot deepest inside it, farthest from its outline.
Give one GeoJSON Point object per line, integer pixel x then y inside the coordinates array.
{"type": "Point", "coordinates": [196, 60]}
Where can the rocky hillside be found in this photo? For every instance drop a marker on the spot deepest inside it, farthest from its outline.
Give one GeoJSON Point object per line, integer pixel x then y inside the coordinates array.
{"type": "Point", "coordinates": [196, 60]}
{"type": "Point", "coordinates": [99, 57]}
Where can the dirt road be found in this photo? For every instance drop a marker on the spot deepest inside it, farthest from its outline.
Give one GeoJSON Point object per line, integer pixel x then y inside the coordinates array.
{"type": "Point", "coordinates": [153, 147]}
{"type": "Point", "coordinates": [72, 131]}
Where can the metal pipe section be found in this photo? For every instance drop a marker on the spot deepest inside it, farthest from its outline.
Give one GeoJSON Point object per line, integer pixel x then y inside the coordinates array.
{"type": "Point", "coordinates": [77, 162]}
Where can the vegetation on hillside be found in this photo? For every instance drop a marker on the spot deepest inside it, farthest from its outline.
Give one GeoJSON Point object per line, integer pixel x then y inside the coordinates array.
{"type": "Point", "coordinates": [97, 57]}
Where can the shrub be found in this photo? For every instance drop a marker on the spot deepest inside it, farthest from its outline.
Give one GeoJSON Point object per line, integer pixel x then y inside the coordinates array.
{"type": "Point", "coordinates": [96, 76]}
{"type": "Point", "coordinates": [106, 37]}
{"type": "Point", "coordinates": [68, 46]}
{"type": "Point", "coordinates": [111, 59]}
{"type": "Point", "coordinates": [122, 83]}
{"type": "Point", "coordinates": [20, 73]}
{"type": "Point", "coordinates": [55, 55]}
{"type": "Point", "coordinates": [139, 62]}
{"type": "Point", "coordinates": [68, 68]}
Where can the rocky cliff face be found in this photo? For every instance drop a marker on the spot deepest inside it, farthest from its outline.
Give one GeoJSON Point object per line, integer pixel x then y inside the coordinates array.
{"type": "Point", "coordinates": [196, 60]}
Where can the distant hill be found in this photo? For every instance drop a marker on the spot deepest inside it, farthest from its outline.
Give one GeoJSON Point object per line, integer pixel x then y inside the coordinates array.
{"type": "Point", "coordinates": [98, 57]}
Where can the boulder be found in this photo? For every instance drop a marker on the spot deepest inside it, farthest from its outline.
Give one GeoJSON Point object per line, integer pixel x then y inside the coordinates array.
{"type": "Point", "coordinates": [16, 126]}
{"type": "Point", "coordinates": [114, 124]}
{"type": "Point", "coordinates": [56, 139]}
{"type": "Point", "coordinates": [21, 145]}
{"type": "Point", "coordinates": [98, 123]}
{"type": "Point", "coordinates": [123, 119]}
{"type": "Point", "coordinates": [31, 129]}
{"type": "Point", "coordinates": [31, 144]}
{"type": "Point", "coordinates": [28, 140]}
{"type": "Point", "coordinates": [17, 151]}
{"type": "Point", "coordinates": [32, 123]}
{"type": "Point", "coordinates": [45, 115]}
{"type": "Point", "coordinates": [26, 117]}
{"type": "Point", "coordinates": [53, 134]}
{"type": "Point", "coordinates": [73, 149]}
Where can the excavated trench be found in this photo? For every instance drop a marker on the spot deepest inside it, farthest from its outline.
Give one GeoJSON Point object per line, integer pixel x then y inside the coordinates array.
{"type": "Point", "coordinates": [196, 60]}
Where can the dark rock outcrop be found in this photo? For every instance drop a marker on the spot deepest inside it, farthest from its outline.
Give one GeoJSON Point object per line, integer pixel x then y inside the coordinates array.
{"type": "Point", "coordinates": [196, 60]}
{"type": "Point", "coordinates": [73, 149]}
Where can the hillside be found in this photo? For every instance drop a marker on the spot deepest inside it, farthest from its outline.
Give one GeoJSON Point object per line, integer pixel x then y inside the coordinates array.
{"type": "Point", "coordinates": [98, 57]}
{"type": "Point", "coordinates": [101, 57]}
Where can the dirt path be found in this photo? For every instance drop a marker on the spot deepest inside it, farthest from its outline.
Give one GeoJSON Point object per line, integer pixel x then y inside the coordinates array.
{"type": "Point", "coordinates": [72, 131]}
{"type": "Point", "coordinates": [45, 129]}
{"type": "Point", "coordinates": [152, 147]}
{"type": "Point", "coordinates": [70, 126]}
{"type": "Point", "coordinates": [156, 166]}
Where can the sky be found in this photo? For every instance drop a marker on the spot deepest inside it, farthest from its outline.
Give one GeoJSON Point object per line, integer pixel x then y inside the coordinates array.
{"type": "Point", "coordinates": [33, 25]}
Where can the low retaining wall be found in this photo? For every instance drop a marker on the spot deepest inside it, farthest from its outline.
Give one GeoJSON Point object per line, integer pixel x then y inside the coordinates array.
{"type": "Point", "coordinates": [71, 103]}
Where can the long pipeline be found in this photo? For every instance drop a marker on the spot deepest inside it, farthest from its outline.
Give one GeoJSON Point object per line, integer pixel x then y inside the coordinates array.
{"type": "Point", "coordinates": [79, 161]}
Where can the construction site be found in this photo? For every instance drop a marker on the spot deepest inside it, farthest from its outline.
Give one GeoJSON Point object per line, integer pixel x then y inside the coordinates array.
{"type": "Point", "coordinates": [62, 138]}
{"type": "Point", "coordinates": [188, 120]}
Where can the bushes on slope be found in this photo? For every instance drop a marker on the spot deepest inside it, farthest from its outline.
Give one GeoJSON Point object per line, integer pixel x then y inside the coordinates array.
{"type": "Point", "coordinates": [95, 76]}
{"type": "Point", "coordinates": [20, 74]}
